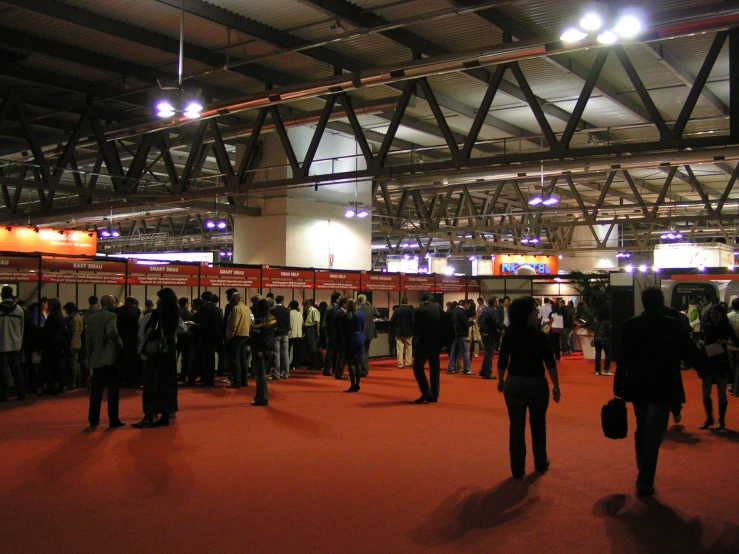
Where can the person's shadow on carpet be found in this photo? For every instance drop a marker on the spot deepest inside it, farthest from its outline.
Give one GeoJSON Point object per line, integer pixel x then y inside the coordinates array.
{"type": "Point", "coordinates": [466, 511]}
{"type": "Point", "coordinates": [648, 526]}
{"type": "Point", "coordinates": [677, 435]}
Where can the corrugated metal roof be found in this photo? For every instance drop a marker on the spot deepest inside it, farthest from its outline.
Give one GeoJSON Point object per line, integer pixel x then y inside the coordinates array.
{"type": "Point", "coordinates": [281, 14]}
{"type": "Point", "coordinates": [82, 37]}
{"type": "Point", "coordinates": [692, 51]}
{"type": "Point", "coordinates": [373, 50]}
{"type": "Point", "coordinates": [160, 18]}
{"type": "Point", "coordinates": [459, 32]}
{"type": "Point", "coordinates": [299, 66]}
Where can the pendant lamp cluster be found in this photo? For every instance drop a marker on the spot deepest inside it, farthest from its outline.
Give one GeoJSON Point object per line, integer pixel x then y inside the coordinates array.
{"type": "Point", "coordinates": [606, 30]}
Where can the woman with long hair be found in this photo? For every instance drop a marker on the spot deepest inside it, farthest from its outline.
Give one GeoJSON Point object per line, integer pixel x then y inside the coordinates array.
{"type": "Point", "coordinates": [715, 336]}
{"type": "Point", "coordinates": [159, 373]}
{"type": "Point", "coordinates": [262, 341]}
{"type": "Point", "coordinates": [524, 353]}
{"type": "Point", "coordinates": [351, 330]}
{"type": "Point", "coordinates": [55, 344]}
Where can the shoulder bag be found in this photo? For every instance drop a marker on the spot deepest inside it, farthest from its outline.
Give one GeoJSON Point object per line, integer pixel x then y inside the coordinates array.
{"type": "Point", "coordinates": [156, 343]}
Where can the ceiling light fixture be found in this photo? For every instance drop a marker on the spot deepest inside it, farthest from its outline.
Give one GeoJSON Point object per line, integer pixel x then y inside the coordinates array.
{"type": "Point", "coordinates": [179, 101]}
{"type": "Point", "coordinates": [628, 26]}
{"type": "Point", "coordinates": [607, 37]}
{"type": "Point", "coordinates": [572, 35]}
{"type": "Point", "coordinates": [591, 22]}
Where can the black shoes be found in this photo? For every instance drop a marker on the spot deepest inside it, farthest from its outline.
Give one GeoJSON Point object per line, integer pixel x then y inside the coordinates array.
{"type": "Point", "coordinates": [644, 491]}
{"type": "Point", "coordinates": [161, 422]}
{"type": "Point", "coordinates": [488, 376]}
{"type": "Point", "coordinates": [422, 400]}
{"type": "Point", "coordinates": [720, 426]}
{"type": "Point", "coordinates": [544, 468]}
{"type": "Point", "coordinates": [341, 378]}
{"type": "Point", "coordinates": [468, 373]}
{"type": "Point", "coordinates": [260, 403]}
{"type": "Point", "coordinates": [707, 424]}
{"type": "Point", "coordinates": [143, 424]}
{"type": "Point", "coordinates": [116, 424]}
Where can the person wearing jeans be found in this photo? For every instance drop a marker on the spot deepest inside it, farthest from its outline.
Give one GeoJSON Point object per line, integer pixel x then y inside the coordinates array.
{"type": "Point", "coordinates": [648, 375]}
{"type": "Point", "coordinates": [460, 345]}
{"type": "Point", "coordinates": [282, 342]}
{"type": "Point", "coordinates": [524, 353]}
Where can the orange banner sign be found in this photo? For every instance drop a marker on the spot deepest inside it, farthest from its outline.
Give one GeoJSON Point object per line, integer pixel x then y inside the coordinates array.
{"type": "Point", "coordinates": [48, 241]}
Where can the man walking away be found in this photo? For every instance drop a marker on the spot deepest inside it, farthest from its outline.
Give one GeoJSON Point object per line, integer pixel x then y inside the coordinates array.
{"type": "Point", "coordinates": [12, 323]}
{"type": "Point", "coordinates": [330, 331]}
{"type": "Point", "coordinates": [427, 337]}
{"type": "Point", "coordinates": [648, 375]}
{"type": "Point", "coordinates": [102, 341]}
{"type": "Point", "coordinates": [311, 325]}
{"type": "Point", "coordinates": [75, 327]}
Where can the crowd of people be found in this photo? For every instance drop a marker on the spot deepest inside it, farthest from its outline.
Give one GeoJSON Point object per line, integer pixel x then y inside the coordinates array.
{"type": "Point", "coordinates": [115, 344]}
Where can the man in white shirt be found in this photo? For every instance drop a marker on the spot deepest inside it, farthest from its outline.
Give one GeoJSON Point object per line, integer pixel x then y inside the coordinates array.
{"type": "Point", "coordinates": [545, 311]}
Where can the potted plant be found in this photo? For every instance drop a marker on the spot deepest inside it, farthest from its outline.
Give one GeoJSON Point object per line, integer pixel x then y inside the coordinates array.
{"type": "Point", "coordinates": [593, 291]}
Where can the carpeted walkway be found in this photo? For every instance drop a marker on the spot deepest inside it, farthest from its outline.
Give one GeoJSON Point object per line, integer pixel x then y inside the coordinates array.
{"type": "Point", "coordinates": [322, 471]}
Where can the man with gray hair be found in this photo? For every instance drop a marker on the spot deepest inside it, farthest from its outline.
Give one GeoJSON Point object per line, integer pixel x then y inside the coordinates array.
{"type": "Point", "coordinates": [370, 313]}
{"type": "Point", "coordinates": [102, 342]}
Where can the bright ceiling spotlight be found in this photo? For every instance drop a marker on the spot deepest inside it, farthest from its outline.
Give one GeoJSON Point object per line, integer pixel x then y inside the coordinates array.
{"type": "Point", "coordinates": [701, 267]}
{"type": "Point", "coordinates": [678, 236]}
{"type": "Point", "coordinates": [165, 109]}
{"type": "Point", "coordinates": [105, 233]}
{"type": "Point", "coordinates": [115, 234]}
{"type": "Point", "coordinates": [572, 35]}
{"type": "Point", "coordinates": [193, 109]}
{"type": "Point", "coordinates": [628, 26]}
{"type": "Point", "coordinates": [535, 201]}
{"type": "Point", "coordinates": [449, 270]}
{"type": "Point", "coordinates": [362, 213]}
{"type": "Point", "coordinates": [221, 225]}
{"type": "Point", "coordinates": [525, 240]}
{"type": "Point", "coordinates": [534, 240]}
{"type": "Point", "coordinates": [643, 268]}
{"type": "Point", "coordinates": [551, 201]}
{"type": "Point", "coordinates": [350, 212]}
{"type": "Point", "coordinates": [608, 37]}
{"type": "Point", "coordinates": [591, 22]}
{"type": "Point", "coordinates": [629, 268]}
{"type": "Point", "coordinates": [210, 224]}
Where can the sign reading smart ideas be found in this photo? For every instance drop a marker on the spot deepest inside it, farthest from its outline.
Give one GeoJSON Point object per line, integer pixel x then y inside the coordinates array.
{"type": "Point", "coordinates": [509, 264]}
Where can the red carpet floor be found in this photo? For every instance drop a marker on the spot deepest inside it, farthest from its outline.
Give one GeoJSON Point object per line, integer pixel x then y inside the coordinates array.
{"type": "Point", "coordinates": [323, 471]}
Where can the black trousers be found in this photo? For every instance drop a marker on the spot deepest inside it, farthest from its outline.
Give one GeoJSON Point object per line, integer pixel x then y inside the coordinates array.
{"type": "Point", "coordinates": [208, 351]}
{"type": "Point", "coordinates": [490, 341]}
{"type": "Point", "coordinates": [522, 394]}
{"type": "Point", "coordinates": [184, 350]}
{"type": "Point", "coordinates": [130, 364]}
{"type": "Point", "coordinates": [102, 377]}
{"type": "Point", "coordinates": [420, 357]}
{"type": "Point", "coordinates": [15, 364]}
{"type": "Point", "coordinates": [238, 354]}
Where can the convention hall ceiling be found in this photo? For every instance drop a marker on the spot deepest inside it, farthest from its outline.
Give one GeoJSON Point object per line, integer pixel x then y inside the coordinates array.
{"type": "Point", "coordinates": [462, 112]}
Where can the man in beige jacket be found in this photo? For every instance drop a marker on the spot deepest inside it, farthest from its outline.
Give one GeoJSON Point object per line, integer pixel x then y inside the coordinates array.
{"type": "Point", "coordinates": [238, 327]}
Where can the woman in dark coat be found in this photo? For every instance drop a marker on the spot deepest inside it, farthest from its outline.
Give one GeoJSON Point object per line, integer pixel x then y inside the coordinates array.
{"type": "Point", "coordinates": [524, 353]}
{"type": "Point", "coordinates": [159, 373]}
{"type": "Point", "coordinates": [351, 330]}
{"type": "Point", "coordinates": [715, 336]}
{"type": "Point", "coordinates": [54, 342]}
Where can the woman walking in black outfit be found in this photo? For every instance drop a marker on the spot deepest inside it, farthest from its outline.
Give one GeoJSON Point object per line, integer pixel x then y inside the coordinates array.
{"type": "Point", "coordinates": [716, 335]}
{"type": "Point", "coordinates": [262, 341]}
{"type": "Point", "coordinates": [351, 330]}
{"type": "Point", "coordinates": [524, 352]}
{"type": "Point", "coordinates": [159, 373]}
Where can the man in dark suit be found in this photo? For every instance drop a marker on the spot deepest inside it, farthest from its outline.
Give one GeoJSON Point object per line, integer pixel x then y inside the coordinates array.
{"type": "Point", "coordinates": [401, 324]}
{"type": "Point", "coordinates": [370, 313]}
{"type": "Point", "coordinates": [210, 320]}
{"type": "Point", "coordinates": [648, 375]}
{"type": "Point", "coordinates": [427, 339]}
{"type": "Point", "coordinates": [330, 332]}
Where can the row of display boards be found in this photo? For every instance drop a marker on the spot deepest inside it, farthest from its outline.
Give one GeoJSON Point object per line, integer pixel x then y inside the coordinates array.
{"type": "Point", "coordinates": [47, 269]}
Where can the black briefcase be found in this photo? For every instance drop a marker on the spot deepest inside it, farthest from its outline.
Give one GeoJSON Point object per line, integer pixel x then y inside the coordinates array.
{"type": "Point", "coordinates": [614, 420]}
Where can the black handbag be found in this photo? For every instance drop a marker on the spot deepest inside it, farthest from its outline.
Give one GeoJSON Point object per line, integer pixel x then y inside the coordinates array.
{"type": "Point", "coordinates": [613, 419]}
{"type": "Point", "coordinates": [156, 343]}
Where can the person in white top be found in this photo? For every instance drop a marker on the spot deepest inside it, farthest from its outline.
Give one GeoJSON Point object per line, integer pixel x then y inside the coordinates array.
{"type": "Point", "coordinates": [296, 331]}
{"type": "Point", "coordinates": [733, 349]}
{"type": "Point", "coordinates": [545, 311]}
